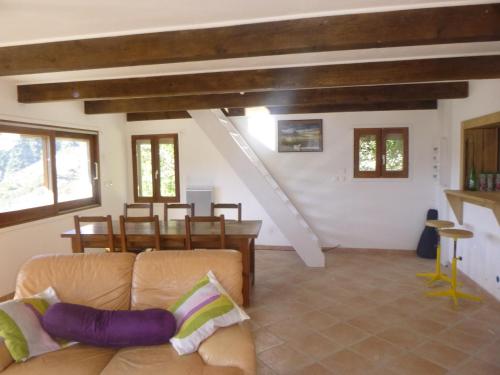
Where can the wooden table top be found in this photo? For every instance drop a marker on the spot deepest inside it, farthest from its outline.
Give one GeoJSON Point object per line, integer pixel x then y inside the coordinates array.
{"type": "Point", "coordinates": [175, 228]}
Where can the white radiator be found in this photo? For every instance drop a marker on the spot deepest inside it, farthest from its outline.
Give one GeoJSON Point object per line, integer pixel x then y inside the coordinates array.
{"type": "Point", "coordinates": [201, 196]}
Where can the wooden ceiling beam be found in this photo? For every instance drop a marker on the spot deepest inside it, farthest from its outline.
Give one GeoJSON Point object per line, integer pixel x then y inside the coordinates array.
{"type": "Point", "coordinates": [324, 76]}
{"type": "Point", "coordinates": [165, 115]}
{"type": "Point", "coordinates": [340, 95]}
{"type": "Point", "coordinates": [356, 107]}
{"type": "Point", "coordinates": [325, 108]}
{"type": "Point", "coordinates": [473, 23]}
{"type": "Point", "coordinates": [331, 108]}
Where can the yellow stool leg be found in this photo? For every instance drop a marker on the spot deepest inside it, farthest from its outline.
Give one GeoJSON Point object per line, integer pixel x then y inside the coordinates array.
{"type": "Point", "coordinates": [468, 296]}
{"type": "Point", "coordinates": [452, 291]}
{"type": "Point", "coordinates": [437, 275]}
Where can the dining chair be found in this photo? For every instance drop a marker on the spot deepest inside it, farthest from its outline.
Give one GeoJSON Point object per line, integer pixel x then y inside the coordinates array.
{"type": "Point", "coordinates": [141, 206]}
{"type": "Point", "coordinates": [221, 237]}
{"type": "Point", "coordinates": [170, 206]}
{"type": "Point", "coordinates": [139, 240]}
{"type": "Point", "coordinates": [215, 206]}
{"type": "Point", "coordinates": [110, 240]}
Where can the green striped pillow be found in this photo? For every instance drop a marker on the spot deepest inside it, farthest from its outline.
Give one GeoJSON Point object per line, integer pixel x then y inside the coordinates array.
{"type": "Point", "coordinates": [201, 311]}
{"type": "Point", "coordinates": [20, 326]}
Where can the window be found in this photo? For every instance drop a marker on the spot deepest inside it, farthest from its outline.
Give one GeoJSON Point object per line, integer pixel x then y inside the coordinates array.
{"type": "Point", "coordinates": [381, 152]}
{"type": "Point", "coordinates": [155, 164]}
{"type": "Point", "coordinates": [45, 172]}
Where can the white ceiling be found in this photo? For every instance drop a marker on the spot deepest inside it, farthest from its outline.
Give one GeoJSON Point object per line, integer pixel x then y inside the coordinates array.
{"type": "Point", "coordinates": [28, 21]}
{"type": "Point", "coordinates": [32, 21]}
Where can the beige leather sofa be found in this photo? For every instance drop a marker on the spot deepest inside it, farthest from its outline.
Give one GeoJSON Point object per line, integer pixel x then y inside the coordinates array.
{"type": "Point", "coordinates": [124, 281]}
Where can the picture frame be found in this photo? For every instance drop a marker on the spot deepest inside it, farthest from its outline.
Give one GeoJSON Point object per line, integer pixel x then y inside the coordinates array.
{"type": "Point", "coordinates": [300, 135]}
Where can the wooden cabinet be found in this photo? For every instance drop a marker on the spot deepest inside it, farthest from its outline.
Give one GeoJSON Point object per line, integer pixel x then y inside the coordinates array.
{"type": "Point", "coordinates": [481, 150]}
{"type": "Point", "coordinates": [480, 139]}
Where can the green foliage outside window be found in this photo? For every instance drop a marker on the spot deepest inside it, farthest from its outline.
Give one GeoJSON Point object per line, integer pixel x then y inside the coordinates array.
{"type": "Point", "coordinates": [367, 153]}
{"type": "Point", "coordinates": [23, 171]}
{"type": "Point", "coordinates": [394, 152]}
{"type": "Point", "coordinates": [145, 178]}
{"type": "Point", "coordinates": [167, 170]}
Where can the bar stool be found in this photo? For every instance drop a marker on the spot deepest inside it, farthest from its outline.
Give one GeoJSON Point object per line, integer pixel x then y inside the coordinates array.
{"type": "Point", "coordinates": [437, 275]}
{"type": "Point", "coordinates": [453, 292]}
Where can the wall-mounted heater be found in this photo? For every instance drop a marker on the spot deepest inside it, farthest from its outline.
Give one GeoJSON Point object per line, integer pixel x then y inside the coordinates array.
{"type": "Point", "coordinates": [201, 196]}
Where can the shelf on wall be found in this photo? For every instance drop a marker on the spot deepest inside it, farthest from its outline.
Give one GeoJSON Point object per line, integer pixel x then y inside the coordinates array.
{"type": "Point", "coordinates": [490, 200]}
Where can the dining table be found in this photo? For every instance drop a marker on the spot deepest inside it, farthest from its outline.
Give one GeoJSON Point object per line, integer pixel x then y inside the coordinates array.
{"type": "Point", "coordinates": [240, 235]}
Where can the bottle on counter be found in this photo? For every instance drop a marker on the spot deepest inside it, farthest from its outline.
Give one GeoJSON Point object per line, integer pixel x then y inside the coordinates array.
{"type": "Point", "coordinates": [490, 182]}
{"type": "Point", "coordinates": [483, 184]}
{"type": "Point", "coordinates": [471, 179]}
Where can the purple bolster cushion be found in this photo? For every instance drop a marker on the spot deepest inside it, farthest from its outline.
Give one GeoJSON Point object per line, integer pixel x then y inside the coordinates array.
{"type": "Point", "coordinates": [109, 328]}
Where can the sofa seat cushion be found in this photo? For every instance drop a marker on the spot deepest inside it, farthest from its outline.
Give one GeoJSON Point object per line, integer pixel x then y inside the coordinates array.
{"type": "Point", "coordinates": [75, 360]}
{"type": "Point", "coordinates": [161, 359]}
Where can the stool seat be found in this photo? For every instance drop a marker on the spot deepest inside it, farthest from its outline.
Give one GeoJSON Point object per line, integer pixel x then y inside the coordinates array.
{"type": "Point", "coordinates": [439, 224]}
{"type": "Point", "coordinates": [455, 233]}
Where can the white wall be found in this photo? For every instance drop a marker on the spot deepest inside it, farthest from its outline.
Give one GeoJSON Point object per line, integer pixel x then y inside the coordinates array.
{"type": "Point", "coordinates": [386, 213]}
{"type": "Point", "coordinates": [358, 213]}
{"type": "Point", "coordinates": [201, 164]}
{"type": "Point", "coordinates": [20, 242]}
{"type": "Point", "coordinates": [482, 253]}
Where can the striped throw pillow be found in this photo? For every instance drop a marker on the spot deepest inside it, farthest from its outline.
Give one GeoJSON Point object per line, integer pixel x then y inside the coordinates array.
{"type": "Point", "coordinates": [20, 326]}
{"type": "Point", "coordinates": [201, 311]}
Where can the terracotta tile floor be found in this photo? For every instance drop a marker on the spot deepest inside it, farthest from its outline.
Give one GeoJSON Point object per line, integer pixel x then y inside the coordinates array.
{"type": "Point", "coordinates": [367, 314]}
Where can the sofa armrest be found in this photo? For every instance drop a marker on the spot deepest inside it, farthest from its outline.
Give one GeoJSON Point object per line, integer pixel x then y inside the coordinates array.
{"type": "Point", "coordinates": [231, 346]}
{"type": "Point", "coordinates": [5, 357]}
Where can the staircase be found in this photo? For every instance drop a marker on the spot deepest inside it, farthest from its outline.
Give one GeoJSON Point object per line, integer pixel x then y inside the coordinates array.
{"type": "Point", "coordinates": [234, 148]}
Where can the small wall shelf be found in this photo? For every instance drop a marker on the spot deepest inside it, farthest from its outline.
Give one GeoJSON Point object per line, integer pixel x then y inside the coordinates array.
{"type": "Point", "coordinates": [490, 200]}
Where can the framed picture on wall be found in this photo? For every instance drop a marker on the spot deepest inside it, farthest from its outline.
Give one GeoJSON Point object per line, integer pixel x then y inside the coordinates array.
{"type": "Point", "coordinates": [300, 135]}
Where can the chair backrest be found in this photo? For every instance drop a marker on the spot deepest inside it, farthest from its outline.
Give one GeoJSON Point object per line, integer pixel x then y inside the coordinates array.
{"type": "Point", "coordinates": [215, 206]}
{"type": "Point", "coordinates": [205, 219]}
{"type": "Point", "coordinates": [95, 219]}
{"type": "Point", "coordinates": [169, 206]}
{"type": "Point", "coordinates": [143, 206]}
{"type": "Point", "coordinates": [137, 235]}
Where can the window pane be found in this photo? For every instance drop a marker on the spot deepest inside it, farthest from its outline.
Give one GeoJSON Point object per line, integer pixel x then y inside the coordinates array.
{"type": "Point", "coordinates": [167, 167]}
{"type": "Point", "coordinates": [368, 152]}
{"type": "Point", "coordinates": [144, 168]}
{"type": "Point", "coordinates": [24, 172]}
{"type": "Point", "coordinates": [394, 152]}
{"type": "Point", "coordinates": [74, 176]}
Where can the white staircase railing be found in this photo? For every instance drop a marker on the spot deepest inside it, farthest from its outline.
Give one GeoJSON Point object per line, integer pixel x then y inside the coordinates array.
{"type": "Point", "coordinates": [235, 149]}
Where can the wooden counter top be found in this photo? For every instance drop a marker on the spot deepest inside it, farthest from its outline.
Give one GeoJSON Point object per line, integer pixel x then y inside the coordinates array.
{"type": "Point", "coordinates": [488, 199]}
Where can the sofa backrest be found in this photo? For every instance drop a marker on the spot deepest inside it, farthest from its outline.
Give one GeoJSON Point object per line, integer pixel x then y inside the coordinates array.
{"type": "Point", "coordinates": [98, 280]}
{"type": "Point", "coordinates": [119, 281]}
{"type": "Point", "coordinates": [161, 277]}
